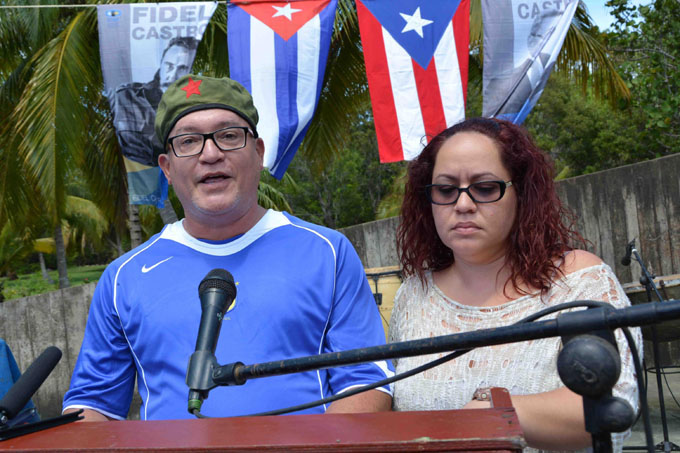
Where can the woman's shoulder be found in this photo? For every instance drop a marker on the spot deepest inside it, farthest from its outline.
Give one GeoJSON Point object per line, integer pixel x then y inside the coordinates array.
{"type": "Point", "coordinates": [587, 277]}
{"type": "Point", "coordinates": [414, 281]}
{"type": "Point", "coordinates": [412, 286]}
{"type": "Point", "coordinates": [576, 260]}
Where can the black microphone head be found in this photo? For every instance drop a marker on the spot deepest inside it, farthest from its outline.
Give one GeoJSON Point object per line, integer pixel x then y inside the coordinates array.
{"type": "Point", "coordinates": [18, 395]}
{"type": "Point", "coordinates": [220, 279]}
{"type": "Point", "coordinates": [629, 250]}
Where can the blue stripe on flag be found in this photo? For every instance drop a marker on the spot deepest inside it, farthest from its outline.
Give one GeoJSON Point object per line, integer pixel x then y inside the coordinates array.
{"type": "Point", "coordinates": [286, 92]}
{"type": "Point", "coordinates": [238, 23]}
{"type": "Point", "coordinates": [286, 54]}
{"type": "Point", "coordinates": [327, 17]}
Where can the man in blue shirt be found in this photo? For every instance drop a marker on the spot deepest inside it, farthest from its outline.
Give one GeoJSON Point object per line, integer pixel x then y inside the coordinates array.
{"type": "Point", "coordinates": [301, 288]}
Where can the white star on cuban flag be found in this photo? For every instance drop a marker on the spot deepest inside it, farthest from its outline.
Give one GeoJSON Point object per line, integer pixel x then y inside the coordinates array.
{"type": "Point", "coordinates": [285, 11]}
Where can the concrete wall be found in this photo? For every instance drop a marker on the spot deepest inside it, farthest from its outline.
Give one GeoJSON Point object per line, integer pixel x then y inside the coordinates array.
{"type": "Point", "coordinates": [614, 206]}
{"type": "Point", "coordinates": [375, 242]}
{"type": "Point", "coordinates": [31, 324]}
{"type": "Point", "coordinates": [636, 201]}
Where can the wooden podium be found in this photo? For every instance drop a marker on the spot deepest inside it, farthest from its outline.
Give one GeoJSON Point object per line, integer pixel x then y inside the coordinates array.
{"type": "Point", "coordinates": [496, 429]}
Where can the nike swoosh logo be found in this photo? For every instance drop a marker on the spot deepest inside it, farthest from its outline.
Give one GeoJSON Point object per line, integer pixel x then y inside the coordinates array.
{"type": "Point", "coordinates": [147, 269]}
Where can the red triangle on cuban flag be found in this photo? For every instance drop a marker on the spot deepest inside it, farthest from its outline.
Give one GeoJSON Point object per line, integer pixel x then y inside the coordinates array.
{"type": "Point", "coordinates": [285, 18]}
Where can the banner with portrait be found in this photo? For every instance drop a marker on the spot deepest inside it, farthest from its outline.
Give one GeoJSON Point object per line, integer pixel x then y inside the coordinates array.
{"type": "Point", "coordinates": [522, 40]}
{"type": "Point", "coordinates": [144, 48]}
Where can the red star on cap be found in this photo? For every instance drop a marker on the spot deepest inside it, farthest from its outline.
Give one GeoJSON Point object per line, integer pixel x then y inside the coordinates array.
{"type": "Point", "coordinates": [192, 87]}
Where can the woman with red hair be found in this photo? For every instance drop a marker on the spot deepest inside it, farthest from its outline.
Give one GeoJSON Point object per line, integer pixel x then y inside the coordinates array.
{"type": "Point", "coordinates": [483, 243]}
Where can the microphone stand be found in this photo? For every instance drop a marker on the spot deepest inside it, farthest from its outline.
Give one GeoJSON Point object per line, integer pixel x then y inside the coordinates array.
{"type": "Point", "coordinates": [604, 414]}
{"type": "Point", "coordinates": [647, 279]}
{"type": "Point", "coordinates": [568, 324]}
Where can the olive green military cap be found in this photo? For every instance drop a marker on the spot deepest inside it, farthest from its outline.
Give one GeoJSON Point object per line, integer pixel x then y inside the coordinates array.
{"type": "Point", "coordinates": [191, 93]}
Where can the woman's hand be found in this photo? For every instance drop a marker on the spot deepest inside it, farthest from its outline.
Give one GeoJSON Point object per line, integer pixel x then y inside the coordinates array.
{"type": "Point", "coordinates": [475, 404]}
{"type": "Point", "coordinates": [552, 420]}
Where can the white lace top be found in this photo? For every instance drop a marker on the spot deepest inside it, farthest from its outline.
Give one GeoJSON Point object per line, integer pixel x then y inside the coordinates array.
{"type": "Point", "coordinates": [523, 368]}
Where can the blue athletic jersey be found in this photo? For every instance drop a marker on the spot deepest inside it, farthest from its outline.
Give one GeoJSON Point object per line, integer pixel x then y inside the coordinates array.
{"type": "Point", "coordinates": [301, 290]}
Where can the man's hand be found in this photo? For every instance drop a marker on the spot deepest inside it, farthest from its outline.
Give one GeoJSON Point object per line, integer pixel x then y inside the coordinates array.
{"type": "Point", "coordinates": [90, 415]}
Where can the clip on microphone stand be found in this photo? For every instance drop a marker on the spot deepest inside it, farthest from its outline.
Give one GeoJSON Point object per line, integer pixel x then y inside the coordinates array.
{"type": "Point", "coordinates": [10, 429]}
{"type": "Point", "coordinates": [647, 280]}
{"type": "Point", "coordinates": [589, 365]}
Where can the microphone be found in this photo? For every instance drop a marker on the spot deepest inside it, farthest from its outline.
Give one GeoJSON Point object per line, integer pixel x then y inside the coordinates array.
{"type": "Point", "coordinates": [629, 250]}
{"type": "Point", "coordinates": [217, 291]}
{"type": "Point", "coordinates": [18, 395]}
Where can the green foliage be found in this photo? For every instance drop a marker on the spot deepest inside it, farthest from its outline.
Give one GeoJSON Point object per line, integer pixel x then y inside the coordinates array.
{"type": "Point", "coordinates": [32, 284]}
{"type": "Point", "coordinates": [587, 62]}
{"type": "Point", "coordinates": [390, 205]}
{"type": "Point", "coordinates": [270, 196]}
{"type": "Point", "coordinates": [49, 114]}
{"type": "Point", "coordinates": [102, 168]}
{"type": "Point", "coordinates": [582, 133]}
{"type": "Point", "coordinates": [13, 248]}
{"type": "Point", "coordinates": [351, 186]}
{"type": "Point", "coordinates": [646, 40]}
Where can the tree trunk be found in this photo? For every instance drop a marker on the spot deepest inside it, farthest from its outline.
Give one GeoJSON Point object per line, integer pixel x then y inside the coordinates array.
{"type": "Point", "coordinates": [119, 245]}
{"type": "Point", "coordinates": [43, 269]}
{"type": "Point", "coordinates": [168, 213]}
{"type": "Point", "coordinates": [61, 257]}
{"type": "Point", "coordinates": [135, 226]}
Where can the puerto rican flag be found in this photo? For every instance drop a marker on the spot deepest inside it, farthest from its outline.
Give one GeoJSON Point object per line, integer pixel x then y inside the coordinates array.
{"type": "Point", "coordinates": [278, 52]}
{"type": "Point", "coordinates": [416, 54]}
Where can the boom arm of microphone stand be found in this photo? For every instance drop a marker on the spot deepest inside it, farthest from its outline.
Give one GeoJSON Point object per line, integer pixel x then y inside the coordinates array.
{"type": "Point", "coordinates": [566, 324]}
{"type": "Point", "coordinates": [27, 428]}
{"type": "Point", "coordinates": [649, 279]}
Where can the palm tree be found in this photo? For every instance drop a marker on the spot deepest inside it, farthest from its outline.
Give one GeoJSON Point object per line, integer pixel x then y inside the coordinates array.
{"type": "Point", "coordinates": [50, 117]}
{"type": "Point", "coordinates": [57, 121]}
{"type": "Point", "coordinates": [83, 225]}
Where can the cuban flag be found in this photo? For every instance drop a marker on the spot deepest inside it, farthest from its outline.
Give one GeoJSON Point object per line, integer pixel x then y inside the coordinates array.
{"type": "Point", "coordinates": [416, 54]}
{"type": "Point", "coordinates": [278, 52]}
{"type": "Point", "coordinates": [521, 44]}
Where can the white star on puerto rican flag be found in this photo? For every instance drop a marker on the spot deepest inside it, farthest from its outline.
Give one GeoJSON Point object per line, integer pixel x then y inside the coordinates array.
{"type": "Point", "coordinates": [414, 22]}
{"type": "Point", "coordinates": [285, 11]}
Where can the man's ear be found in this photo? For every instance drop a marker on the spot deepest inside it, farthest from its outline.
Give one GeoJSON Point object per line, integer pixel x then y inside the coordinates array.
{"type": "Point", "coordinates": [164, 163]}
{"type": "Point", "coordinates": [259, 147]}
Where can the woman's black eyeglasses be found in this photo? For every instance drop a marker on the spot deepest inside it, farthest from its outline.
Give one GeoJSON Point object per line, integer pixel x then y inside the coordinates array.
{"type": "Point", "coordinates": [479, 192]}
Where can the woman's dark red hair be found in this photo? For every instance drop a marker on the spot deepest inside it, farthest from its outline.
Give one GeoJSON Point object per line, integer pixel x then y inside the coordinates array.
{"type": "Point", "coordinates": [539, 236]}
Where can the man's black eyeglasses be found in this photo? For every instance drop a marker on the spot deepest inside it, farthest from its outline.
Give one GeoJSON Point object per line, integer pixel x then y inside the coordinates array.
{"type": "Point", "coordinates": [479, 192]}
{"type": "Point", "coordinates": [226, 139]}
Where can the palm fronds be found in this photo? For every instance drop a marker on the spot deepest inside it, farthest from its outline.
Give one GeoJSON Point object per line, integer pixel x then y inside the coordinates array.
{"type": "Point", "coordinates": [50, 115]}
{"type": "Point", "coordinates": [587, 61]}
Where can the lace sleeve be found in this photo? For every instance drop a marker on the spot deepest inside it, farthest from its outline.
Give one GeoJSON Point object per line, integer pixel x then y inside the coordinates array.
{"type": "Point", "coordinates": [406, 295]}
{"type": "Point", "coordinates": [395, 317]}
